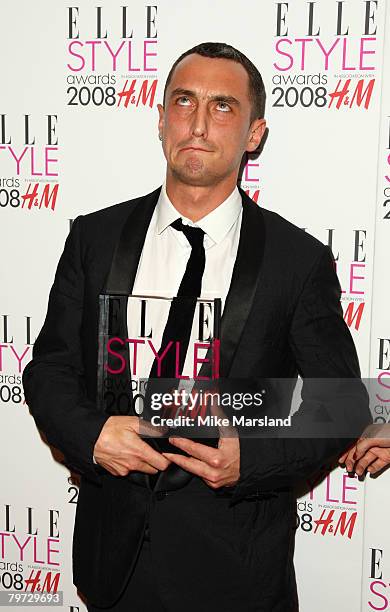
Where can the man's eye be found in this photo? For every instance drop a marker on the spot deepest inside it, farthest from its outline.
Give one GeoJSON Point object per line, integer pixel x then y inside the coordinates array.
{"type": "Point", "coordinates": [183, 101]}
{"type": "Point", "coordinates": [223, 106]}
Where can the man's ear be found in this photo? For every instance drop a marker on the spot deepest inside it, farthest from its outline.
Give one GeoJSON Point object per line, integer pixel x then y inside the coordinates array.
{"type": "Point", "coordinates": [256, 133]}
{"type": "Point", "coordinates": [161, 113]}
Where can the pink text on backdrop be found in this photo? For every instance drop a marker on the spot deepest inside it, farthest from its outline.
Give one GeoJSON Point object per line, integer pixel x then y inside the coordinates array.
{"type": "Point", "coordinates": [346, 54]}
{"type": "Point", "coordinates": [96, 54]}
{"type": "Point", "coordinates": [33, 161]}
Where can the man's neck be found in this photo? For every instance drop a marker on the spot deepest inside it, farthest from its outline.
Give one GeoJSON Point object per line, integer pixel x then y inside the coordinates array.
{"type": "Point", "coordinates": [196, 202]}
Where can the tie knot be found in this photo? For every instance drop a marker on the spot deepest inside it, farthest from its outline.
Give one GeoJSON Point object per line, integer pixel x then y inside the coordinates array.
{"type": "Point", "coordinates": [194, 235]}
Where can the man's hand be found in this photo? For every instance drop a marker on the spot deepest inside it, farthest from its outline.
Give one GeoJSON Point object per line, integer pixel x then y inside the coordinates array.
{"type": "Point", "coordinates": [371, 452]}
{"type": "Point", "coordinates": [218, 467]}
{"type": "Point", "coordinates": [120, 449]}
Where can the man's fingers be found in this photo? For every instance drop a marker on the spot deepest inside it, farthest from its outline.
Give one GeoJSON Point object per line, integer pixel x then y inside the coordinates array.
{"type": "Point", "coordinates": [376, 466]}
{"type": "Point", "coordinates": [364, 462]}
{"type": "Point", "coordinates": [120, 468]}
{"type": "Point", "coordinates": [343, 457]}
{"type": "Point", "coordinates": [120, 446]}
{"type": "Point", "coordinates": [199, 468]}
{"type": "Point", "coordinates": [146, 453]}
{"type": "Point", "coordinates": [195, 449]}
{"type": "Point", "coordinates": [349, 459]}
{"type": "Point", "coordinates": [349, 452]}
{"type": "Point", "coordinates": [146, 468]}
{"type": "Point", "coordinates": [209, 475]}
{"type": "Point", "coordinates": [363, 446]}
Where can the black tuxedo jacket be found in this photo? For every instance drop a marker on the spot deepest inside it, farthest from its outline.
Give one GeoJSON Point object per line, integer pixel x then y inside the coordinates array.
{"type": "Point", "coordinates": [282, 316]}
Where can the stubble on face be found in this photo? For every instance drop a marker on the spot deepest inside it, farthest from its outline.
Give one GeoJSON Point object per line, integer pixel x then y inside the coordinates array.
{"type": "Point", "coordinates": [192, 167]}
{"type": "Point", "coordinates": [193, 171]}
{"type": "Point", "coordinates": [220, 156]}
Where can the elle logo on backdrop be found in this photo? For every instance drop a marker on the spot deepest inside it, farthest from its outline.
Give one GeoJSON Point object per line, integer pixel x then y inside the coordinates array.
{"type": "Point", "coordinates": [310, 43]}
{"type": "Point", "coordinates": [103, 43]}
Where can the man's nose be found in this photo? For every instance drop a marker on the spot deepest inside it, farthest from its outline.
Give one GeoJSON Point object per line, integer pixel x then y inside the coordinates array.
{"type": "Point", "coordinates": [199, 122]}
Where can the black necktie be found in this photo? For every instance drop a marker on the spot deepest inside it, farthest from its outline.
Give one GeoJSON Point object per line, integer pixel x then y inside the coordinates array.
{"type": "Point", "coordinates": [181, 312]}
{"type": "Point", "coordinates": [178, 328]}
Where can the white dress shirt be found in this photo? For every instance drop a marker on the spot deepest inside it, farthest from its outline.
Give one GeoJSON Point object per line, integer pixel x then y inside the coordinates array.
{"type": "Point", "coordinates": [163, 262]}
{"type": "Point", "coordinates": [165, 254]}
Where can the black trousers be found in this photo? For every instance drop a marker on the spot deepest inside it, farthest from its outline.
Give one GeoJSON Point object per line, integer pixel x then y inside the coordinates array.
{"type": "Point", "coordinates": [206, 555]}
{"type": "Point", "coordinates": [141, 592]}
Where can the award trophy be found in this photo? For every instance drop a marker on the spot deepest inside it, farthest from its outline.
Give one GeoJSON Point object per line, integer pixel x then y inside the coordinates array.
{"type": "Point", "coordinates": [128, 343]}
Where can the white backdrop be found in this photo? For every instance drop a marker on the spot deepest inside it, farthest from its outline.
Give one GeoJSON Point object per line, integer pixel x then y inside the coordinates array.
{"type": "Point", "coordinates": [325, 167]}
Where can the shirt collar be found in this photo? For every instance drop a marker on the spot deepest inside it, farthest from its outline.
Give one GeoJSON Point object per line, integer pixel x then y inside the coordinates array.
{"type": "Point", "coordinates": [215, 224]}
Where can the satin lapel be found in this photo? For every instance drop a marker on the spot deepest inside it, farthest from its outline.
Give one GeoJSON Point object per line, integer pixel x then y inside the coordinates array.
{"type": "Point", "coordinates": [122, 274]}
{"type": "Point", "coordinates": [243, 285]}
{"type": "Point", "coordinates": [128, 250]}
{"type": "Point", "coordinates": [121, 281]}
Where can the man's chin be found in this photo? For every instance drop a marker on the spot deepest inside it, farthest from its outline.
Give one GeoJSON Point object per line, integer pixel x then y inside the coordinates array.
{"type": "Point", "coordinates": [195, 178]}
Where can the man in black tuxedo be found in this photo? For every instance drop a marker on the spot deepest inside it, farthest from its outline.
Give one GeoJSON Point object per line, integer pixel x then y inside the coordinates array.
{"type": "Point", "coordinates": [224, 540]}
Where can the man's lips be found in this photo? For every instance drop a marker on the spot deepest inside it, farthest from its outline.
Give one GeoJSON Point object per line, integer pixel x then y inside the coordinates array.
{"type": "Point", "coordinates": [195, 149]}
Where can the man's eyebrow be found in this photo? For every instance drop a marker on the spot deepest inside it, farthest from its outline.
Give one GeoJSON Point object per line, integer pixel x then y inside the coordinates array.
{"type": "Point", "coordinates": [215, 98]}
{"type": "Point", "coordinates": [227, 99]}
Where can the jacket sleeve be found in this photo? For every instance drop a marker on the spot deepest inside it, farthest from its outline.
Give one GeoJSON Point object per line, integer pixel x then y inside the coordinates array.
{"type": "Point", "coordinates": [334, 398]}
{"type": "Point", "coordinates": [53, 380]}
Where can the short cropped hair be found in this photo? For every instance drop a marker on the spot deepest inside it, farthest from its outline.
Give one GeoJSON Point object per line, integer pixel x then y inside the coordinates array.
{"type": "Point", "coordinates": [225, 51]}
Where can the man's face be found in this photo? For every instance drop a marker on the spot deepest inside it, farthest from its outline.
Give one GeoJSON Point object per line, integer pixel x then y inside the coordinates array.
{"type": "Point", "coordinates": [206, 125]}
